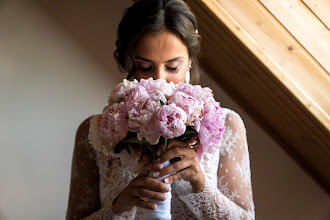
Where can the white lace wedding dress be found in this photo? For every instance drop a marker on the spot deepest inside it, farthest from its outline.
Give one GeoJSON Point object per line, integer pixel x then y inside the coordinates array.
{"type": "Point", "coordinates": [97, 179]}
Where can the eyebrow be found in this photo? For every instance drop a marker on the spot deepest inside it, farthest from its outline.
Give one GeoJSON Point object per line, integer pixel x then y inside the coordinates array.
{"type": "Point", "coordinates": [171, 60]}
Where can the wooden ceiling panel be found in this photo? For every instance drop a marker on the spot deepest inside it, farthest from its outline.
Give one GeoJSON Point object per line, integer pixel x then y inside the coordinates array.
{"type": "Point", "coordinates": [234, 57]}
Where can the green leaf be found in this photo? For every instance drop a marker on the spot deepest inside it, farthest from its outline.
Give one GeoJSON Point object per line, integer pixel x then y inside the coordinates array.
{"type": "Point", "coordinates": [152, 151]}
{"type": "Point", "coordinates": [119, 147]}
{"type": "Point", "coordinates": [191, 132]}
{"type": "Point", "coordinates": [128, 150]}
{"type": "Point", "coordinates": [161, 102]}
{"type": "Point", "coordinates": [167, 143]}
{"type": "Point", "coordinates": [132, 140]}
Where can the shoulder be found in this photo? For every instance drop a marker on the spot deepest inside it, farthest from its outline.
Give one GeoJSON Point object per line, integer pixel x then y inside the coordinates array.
{"type": "Point", "coordinates": [83, 128]}
{"type": "Point", "coordinates": [234, 124]}
{"type": "Point", "coordinates": [83, 131]}
{"type": "Point", "coordinates": [82, 146]}
{"type": "Point", "coordinates": [234, 135]}
{"type": "Point", "coordinates": [232, 117]}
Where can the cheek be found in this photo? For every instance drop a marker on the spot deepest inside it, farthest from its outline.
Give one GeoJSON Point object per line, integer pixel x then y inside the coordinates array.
{"type": "Point", "coordinates": [138, 75]}
{"type": "Point", "coordinates": [178, 77]}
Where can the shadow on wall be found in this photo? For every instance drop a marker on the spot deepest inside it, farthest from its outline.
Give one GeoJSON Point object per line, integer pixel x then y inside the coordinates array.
{"type": "Point", "coordinates": [2, 3]}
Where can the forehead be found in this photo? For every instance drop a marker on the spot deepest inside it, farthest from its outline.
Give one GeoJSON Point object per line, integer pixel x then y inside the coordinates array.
{"type": "Point", "coordinates": [160, 47]}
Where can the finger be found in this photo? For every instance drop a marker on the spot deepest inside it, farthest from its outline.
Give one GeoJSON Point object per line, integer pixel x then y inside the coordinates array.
{"type": "Point", "coordinates": [148, 167]}
{"type": "Point", "coordinates": [145, 159]}
{"type": "Point", "coordinates": [145, 193]}
{"type": "Point", "coordinates": [173, 143]}
{"type": "Point", "coordinates": [149, 183]}
{"type": "Point", "coordinates": [185, 174]}
{"type": "Point", "coordinates": [177, 152]}
{"type": "Point", "coordinates": [143, 204]}
{"type": "Point", "coordinates": [175, 167]}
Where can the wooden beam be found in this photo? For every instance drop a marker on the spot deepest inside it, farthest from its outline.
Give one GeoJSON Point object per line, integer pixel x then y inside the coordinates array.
{"type": "Point", "coordinates": [300, 68]}
{"type": "Point", "coordinates": [321, 9]}
{"type": "Point", "coordinates": [302, 23]}
{"type": "Point", "coordinates": [239, 64]}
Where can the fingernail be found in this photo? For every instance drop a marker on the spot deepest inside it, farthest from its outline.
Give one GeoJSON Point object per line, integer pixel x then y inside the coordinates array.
{"type": "Point", "coordinates": [166, 180]}
{"type": "Point", "coordinates": [155, 174]}
{"type": "Point", "coordinates": [160, 166]}
{"type": "Point", "coordinates": [167, 188]}
{"type": "Point", "coordinates": [154, 206]}
{"type": "Point", "coordinates": [163, 197]}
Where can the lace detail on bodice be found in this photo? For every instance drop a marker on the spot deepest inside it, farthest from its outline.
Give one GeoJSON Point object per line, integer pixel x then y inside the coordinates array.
{"type": "Point", "coordinates": [115, 177]}
{"type": "Point", "coordinates": [227, 192]}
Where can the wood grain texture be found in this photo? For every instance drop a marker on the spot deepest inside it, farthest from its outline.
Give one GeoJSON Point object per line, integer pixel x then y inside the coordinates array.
{"type": "Point", "coordinates": [321, 9]}
{"type": "Point", "coordinates": [302, 23]}
{"type": "Point", "coordinates": [285, 50]}
{"type": "Point", "coordinates": [239, 64]}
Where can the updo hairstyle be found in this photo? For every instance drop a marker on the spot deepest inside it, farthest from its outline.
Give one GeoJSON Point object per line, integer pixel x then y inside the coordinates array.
{"type": "Point", "coordinates": [155, 17]}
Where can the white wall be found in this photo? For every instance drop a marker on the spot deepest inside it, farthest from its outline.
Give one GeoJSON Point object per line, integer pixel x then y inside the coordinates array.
{"type": "Point", "coordinates": [49, 84]}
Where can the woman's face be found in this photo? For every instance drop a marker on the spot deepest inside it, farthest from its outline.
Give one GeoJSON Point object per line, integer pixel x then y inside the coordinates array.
{"type": "Point", "coordinates": [161, 56]}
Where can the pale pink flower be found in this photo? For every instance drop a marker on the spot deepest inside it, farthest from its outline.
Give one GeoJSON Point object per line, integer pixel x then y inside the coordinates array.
{"type": "Point", "coordinates": [189, 104]}
{"type": "Point", "coordinates": [149, 132]}
{"type": "Point", "coordinates": [120, 90]}
{"type": "Point", "coordinates": [211, 127]}
{"type": "Point", "coordinates": [141, 115]}
{"type": "Point", "coordinates": [135, 96]}
{"type": "Point", "coordinates": [171, 121]}
{"type": "Point", "coordinates": [158, 84]}
{"type": "Point", "coordinates": [203, 95]}
{"type": "Point", "coordinates": [113, 123]}
{"type": "Point", "coordinates": [95, 138]}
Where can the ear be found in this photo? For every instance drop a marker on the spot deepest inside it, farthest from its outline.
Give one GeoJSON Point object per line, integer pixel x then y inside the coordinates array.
{"type": "Point", "coordinates": [189, 63]}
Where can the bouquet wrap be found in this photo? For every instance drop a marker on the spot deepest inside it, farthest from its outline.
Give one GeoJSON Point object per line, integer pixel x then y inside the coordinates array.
{"type": "Point", "coordinates": [163, 210]}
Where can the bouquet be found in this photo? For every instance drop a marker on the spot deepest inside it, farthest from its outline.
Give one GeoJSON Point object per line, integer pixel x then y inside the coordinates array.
{"type": "Point", "coordinates": [149, 113]}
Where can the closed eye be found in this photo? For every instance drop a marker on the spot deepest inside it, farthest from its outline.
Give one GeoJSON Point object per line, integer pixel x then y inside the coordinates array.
{"type": "Point", "coordinates": [146, 70]}
{"type": "Point", "coordinates": [172, 70]}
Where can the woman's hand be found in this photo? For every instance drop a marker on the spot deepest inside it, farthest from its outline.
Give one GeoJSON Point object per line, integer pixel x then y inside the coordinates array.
{"type": "Point", "coordinates": [186, 168]}
{"type": "Point", "coordinates": [140, 189]}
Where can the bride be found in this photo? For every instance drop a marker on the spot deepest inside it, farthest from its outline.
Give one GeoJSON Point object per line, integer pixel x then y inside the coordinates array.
{"type": "Point", "coordinates": [159, 39]}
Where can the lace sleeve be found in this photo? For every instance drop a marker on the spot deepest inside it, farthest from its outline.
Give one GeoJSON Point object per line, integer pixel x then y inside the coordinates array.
{"type": "Point", "coordinates": [84, 200]}
{"type": "Point", "coordinates": [232, 198]}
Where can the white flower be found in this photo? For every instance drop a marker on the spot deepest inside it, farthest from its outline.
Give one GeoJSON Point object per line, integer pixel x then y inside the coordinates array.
{"type": "Point", "coordinates": [119, 92]}
{"type": "Point", "coordinates": [95, 138]}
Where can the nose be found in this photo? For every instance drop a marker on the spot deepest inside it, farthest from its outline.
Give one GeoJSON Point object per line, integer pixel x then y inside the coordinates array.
{"type": "Point", "coordinates": [159, 73]}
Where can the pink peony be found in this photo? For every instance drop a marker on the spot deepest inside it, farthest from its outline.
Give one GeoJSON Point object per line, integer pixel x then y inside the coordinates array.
{"type": "Point", "coordinates": [203, 95]}
{"type": "Point", "coordinates": [211, 127]}
{"type": "Point", "coordinates": [141, 116]}
{"type": "Point", "coordinates": [120, 91]}
{"type": "Point", "coordinates": [189, 104]}
{"type": "Point", "coordinates": [135, 96]}
{"type": "Point", "coordinates": [159, 84]}
{"type": "Point", "coordinates": [171, 121]}
{"type": "Point", "coordinates": [113, 123]}
{"type": "Point", "coordinates": [149, 132]}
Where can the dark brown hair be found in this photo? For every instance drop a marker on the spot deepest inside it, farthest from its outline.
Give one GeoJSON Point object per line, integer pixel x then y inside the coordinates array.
{"type": "Point", "coordinates": [153, 17]}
